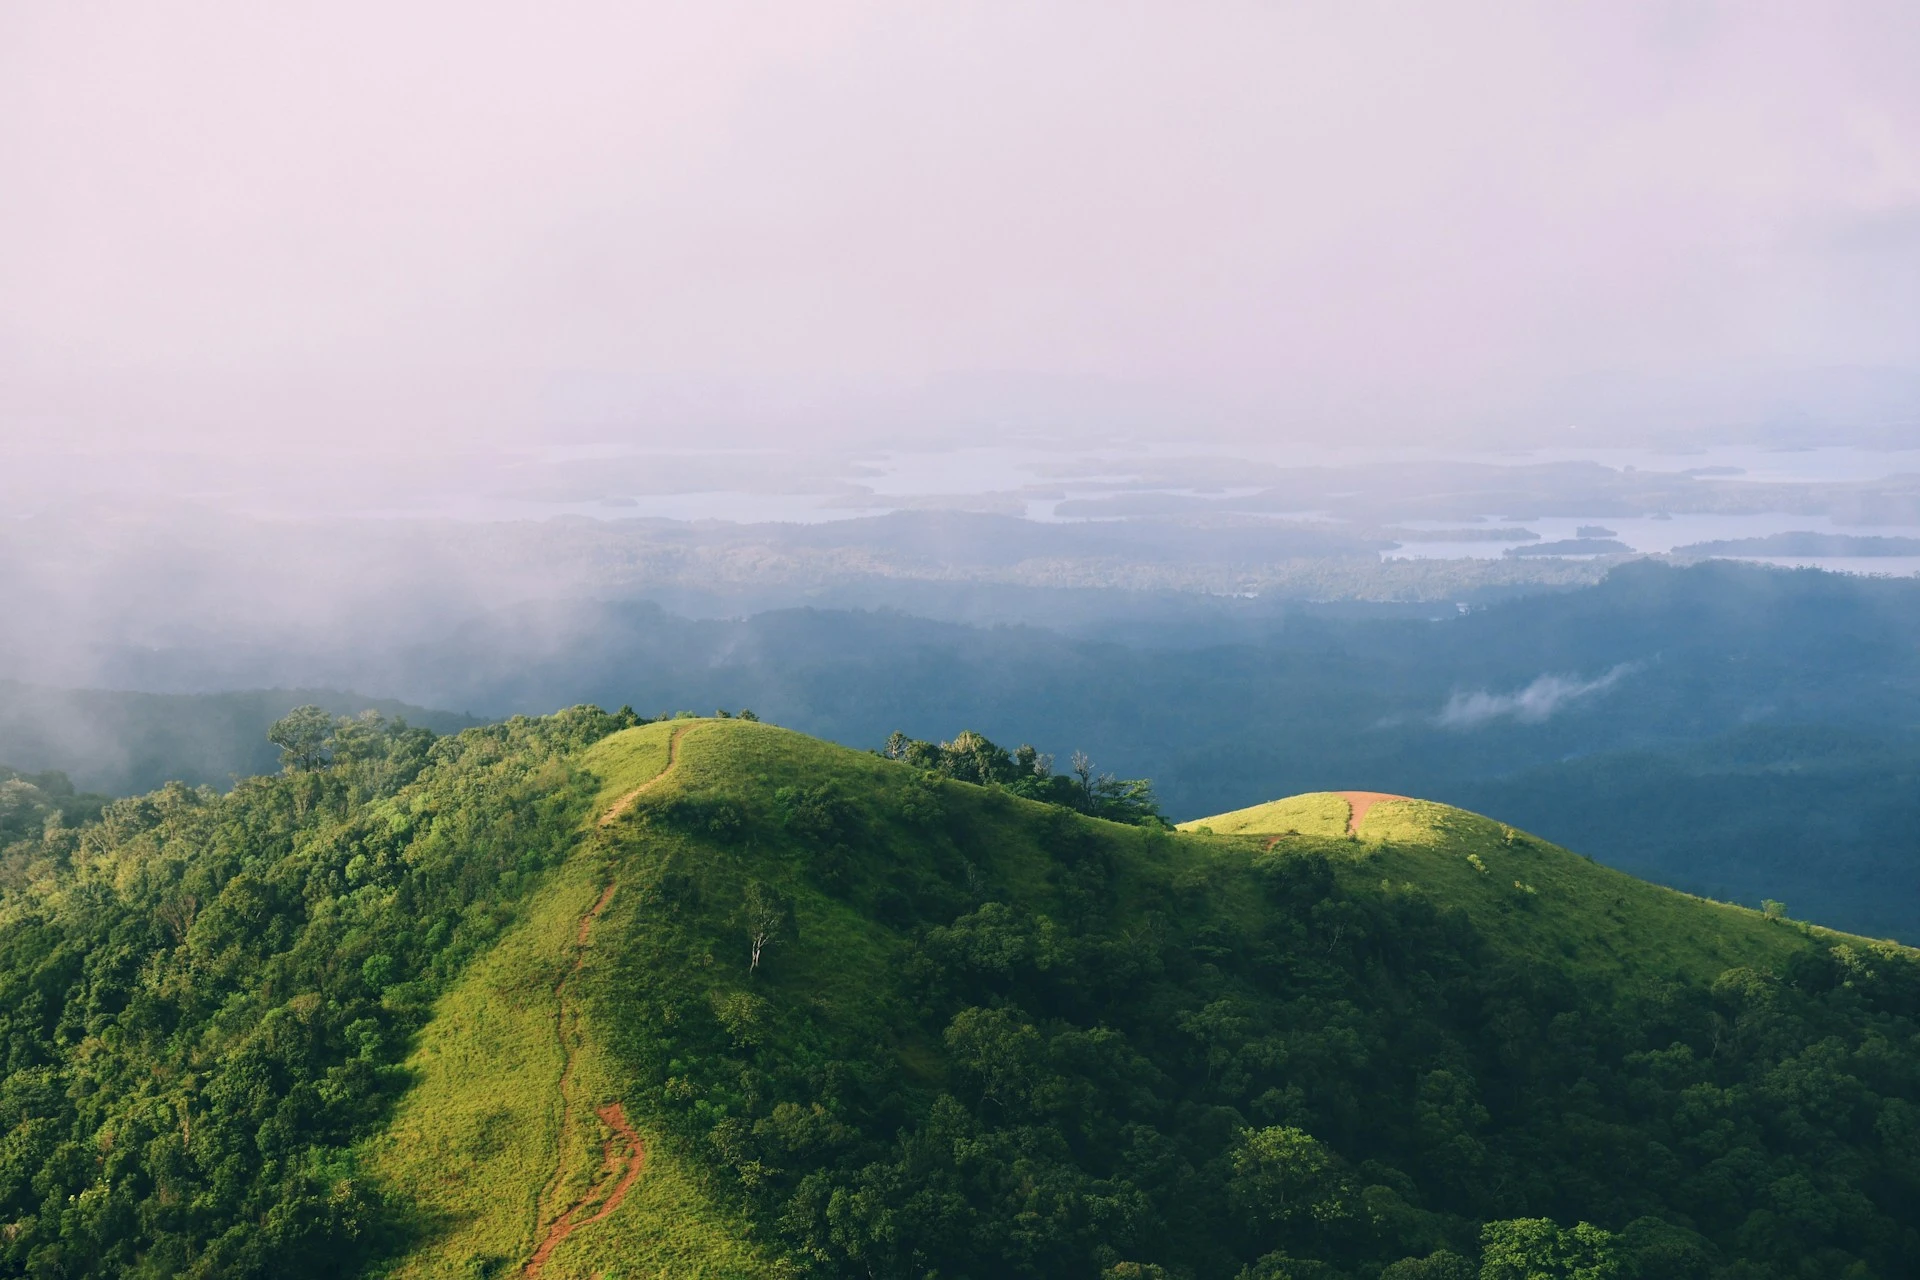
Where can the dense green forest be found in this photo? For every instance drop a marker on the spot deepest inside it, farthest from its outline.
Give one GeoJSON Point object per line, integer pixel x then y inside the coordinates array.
{"type": "Point", "coordinates": [204, 995]}
{"type": "Point", "coordinates": [844, 1015]}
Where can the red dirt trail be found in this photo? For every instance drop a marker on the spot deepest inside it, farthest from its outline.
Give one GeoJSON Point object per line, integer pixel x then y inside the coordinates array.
{"type": "Point", "coordinates": [622, 1154]}
{"type": "Point", "coordinates": [1358, 802]}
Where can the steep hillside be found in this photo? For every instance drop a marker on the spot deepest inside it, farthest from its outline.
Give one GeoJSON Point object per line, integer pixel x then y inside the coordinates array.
{"type": "Point", "coordinates": [564, 998]}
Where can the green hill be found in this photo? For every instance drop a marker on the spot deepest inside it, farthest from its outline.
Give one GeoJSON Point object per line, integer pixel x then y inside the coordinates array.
{"type": "Point", "coordinates": [1530, 900]}
{"type": "Point", "coordinates": [580, 997]}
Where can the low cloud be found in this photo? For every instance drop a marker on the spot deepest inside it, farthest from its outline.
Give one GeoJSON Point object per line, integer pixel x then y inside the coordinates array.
{"type": "Point", "coordinates": [1540, 700]}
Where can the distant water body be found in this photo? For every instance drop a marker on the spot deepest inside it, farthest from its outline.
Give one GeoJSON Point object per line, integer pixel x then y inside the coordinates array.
{"type": "Point", "coordinates": [1037, 479]}
{"type": "Point", "coordinates": [1033, 482]}
{"type": "Point", "coordinates": [617, 479]}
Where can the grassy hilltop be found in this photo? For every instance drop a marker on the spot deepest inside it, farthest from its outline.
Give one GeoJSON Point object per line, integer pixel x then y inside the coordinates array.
{"type": "Point", "coordinates": [578, 997]}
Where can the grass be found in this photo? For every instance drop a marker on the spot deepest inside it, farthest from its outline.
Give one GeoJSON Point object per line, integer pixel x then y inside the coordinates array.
{"type": "Point", "coordinates": [1319, 814]}
{"type": "Point", "coordinates": [630, 759]}
{"type": "Point", "coordinates": [474, 1140]}
{"type": "Point", "coordinates": [1534, 898]}
{"type": "Point", "coordinates": [477, 1138]}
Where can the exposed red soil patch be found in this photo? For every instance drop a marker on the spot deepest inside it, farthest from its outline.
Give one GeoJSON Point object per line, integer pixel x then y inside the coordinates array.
{"type": "Point", "coordinates": [1358, 802]}
{"type": "Point", "coordinates": [586, 923]}
{"type": "Point", "coordinates": [621, 1158]}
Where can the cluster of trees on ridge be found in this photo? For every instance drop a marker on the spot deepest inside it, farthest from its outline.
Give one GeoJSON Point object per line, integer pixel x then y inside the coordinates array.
{"type": "Point", "coordinates": [971, 757]}
{"type": "Point", "coordinates": [1125, 1064]}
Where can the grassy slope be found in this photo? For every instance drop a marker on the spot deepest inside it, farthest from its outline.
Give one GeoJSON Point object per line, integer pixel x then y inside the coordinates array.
{"type": "Point", "coordinates": [475, 1143]}
{"type": "Point", "coordinates": [1538, 898]}
{"type": "Point", "coordinates": [476, 1140]}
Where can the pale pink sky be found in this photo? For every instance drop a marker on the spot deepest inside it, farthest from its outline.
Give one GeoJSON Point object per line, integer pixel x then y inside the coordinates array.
{"type": "Point", "coordinates": [440, 221]}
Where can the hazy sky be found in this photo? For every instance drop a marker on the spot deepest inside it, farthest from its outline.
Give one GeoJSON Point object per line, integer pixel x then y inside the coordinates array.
{"type": "Point", "coordinates": [405, 221]}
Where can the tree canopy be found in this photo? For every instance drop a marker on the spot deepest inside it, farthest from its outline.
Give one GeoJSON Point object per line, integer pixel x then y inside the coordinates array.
{"type": "Point", "coordinates": [972, 757]}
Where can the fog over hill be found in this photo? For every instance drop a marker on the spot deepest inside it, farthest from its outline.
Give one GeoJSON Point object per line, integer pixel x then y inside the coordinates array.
{"type": "Point", "coordinates": [122, 743]}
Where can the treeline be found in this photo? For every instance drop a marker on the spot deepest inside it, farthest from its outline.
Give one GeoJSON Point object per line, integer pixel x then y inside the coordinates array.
{"type": "Point", "coordinates": [971, 757]}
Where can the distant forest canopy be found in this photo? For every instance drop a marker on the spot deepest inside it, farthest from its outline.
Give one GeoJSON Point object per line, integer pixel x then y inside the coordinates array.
{"type": "Point", "coordinates": [1735, 731]}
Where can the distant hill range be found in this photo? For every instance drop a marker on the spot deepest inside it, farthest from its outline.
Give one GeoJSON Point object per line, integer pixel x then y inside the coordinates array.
{"type": "Point", "coordinates": [1803, 544]}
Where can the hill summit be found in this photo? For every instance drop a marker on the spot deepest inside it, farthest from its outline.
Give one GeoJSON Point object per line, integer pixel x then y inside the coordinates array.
{"type": "Point", "coordinates": [584, 997]}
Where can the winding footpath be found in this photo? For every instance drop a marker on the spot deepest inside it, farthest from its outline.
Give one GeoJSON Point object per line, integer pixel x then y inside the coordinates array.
{"type": "Point", "coordinates": [621, 1153]}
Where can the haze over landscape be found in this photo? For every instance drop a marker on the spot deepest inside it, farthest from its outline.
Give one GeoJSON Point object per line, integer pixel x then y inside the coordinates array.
{"type": "Point", "coordinates": [418, 228]}
{"type": "Point", "coordinates": [534, 541]}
